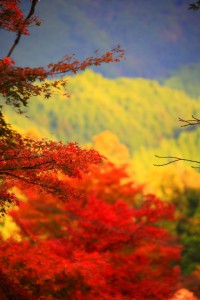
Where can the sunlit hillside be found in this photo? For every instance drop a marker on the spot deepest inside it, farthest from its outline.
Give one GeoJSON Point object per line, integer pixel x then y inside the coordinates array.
{"type": "Point", "coordinates": [141, 113]}
{"type": "Point", "coordinates": [187, 79]}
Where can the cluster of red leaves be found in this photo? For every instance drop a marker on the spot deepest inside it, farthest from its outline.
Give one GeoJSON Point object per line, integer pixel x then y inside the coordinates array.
{"type": "Point", "coordinates": [11, 16]}
{"type": "Point", "coordinates": [18, 84]}
{"type": "Point", "coordinates": [91, 248]}
{"type": "Point", "coordinates": [26, 162]}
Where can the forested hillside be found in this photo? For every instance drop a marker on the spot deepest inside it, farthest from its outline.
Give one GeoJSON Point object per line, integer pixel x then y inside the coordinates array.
{"type": "Point", "coordinates": [187, 79]}
{"type": "Point", "coordinates": [140, 112]}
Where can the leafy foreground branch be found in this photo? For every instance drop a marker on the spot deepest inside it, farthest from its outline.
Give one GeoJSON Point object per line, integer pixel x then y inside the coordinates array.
{"type": "Point", "coordinates": [39, 164]}
{"type": "Point", "coordinates": [22, 160]}
{"type": "Point", "coordinates": [19, 84]}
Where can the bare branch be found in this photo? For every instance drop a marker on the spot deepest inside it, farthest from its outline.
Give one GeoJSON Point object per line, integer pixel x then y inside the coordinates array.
{"type": "Point", "coordinates": [19, 34]}
{"type": "Point", "coordinates": [195, 5]}
{"type": "Point", "coordinates": [174, 159]}
{"type": "Point", "coordinates": [193, 122]}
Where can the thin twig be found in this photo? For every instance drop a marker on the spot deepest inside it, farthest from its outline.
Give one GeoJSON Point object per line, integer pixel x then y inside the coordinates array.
{"type": "Point", "coordinates": [193, 122]}
{"type": "Point", "coordinates": [175, 159]}
{"type": "Point", "coordinates": [172, 159]}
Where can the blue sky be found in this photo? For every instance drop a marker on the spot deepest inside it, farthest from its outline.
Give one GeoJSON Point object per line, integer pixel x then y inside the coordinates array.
{"type": "Point", "coordinates": [158, 36]}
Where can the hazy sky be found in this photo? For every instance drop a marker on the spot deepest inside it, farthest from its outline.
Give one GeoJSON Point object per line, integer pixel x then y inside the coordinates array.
{"type": "Point", "coordinates": [158, 36]}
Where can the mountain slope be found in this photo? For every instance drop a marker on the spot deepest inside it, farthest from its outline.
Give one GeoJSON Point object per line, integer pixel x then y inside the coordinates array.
{"type": "Point", "coordinates": [187, 79]}
{"type": "Point", "coordinates": [140, 112]}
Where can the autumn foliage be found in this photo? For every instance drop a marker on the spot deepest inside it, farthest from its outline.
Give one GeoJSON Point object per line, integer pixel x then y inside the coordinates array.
{"type": "Point", "coordinates": [96, 246]}
{"type": "Point", "coordinates": [39, 164]}
{"type": "Point", "coordinates": [85, 230]}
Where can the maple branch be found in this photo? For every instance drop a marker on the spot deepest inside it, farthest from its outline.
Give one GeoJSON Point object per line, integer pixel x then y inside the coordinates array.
{"type": "Point", "coordinates": [16, 157]}
{"type": "Point", "coordinates": [19, 33]}
{"type": "Point", "coordinates": [36, 166]}
{"type": "Point", "coordinates": [175, 159]}
{"type": "Point", "coordinates": [22, 178]}
{"type": "Point", "coordinates": [50, 189]}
